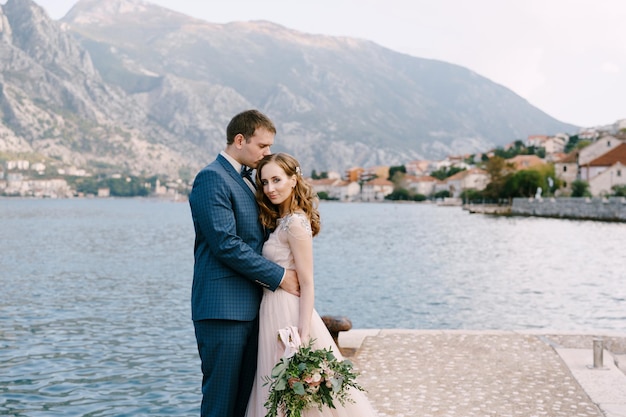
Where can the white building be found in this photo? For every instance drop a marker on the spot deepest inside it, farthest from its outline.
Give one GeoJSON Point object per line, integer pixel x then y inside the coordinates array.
{"type": "Point", "coordinates": [603, 183]}
{"type": "Point", "coordinates": [376, 189]}
{"type": "Point", "coordinates": [566, 169]}
{"type": "Point", "coordinates": [606, 171]}
{"type": "Point", "coordinates": [424, 185]}
{"type": "Point", "coordinates": [51, 188]}
{"type": "Point", "coordinates": [20, 165]}
{"type": "Point", "coordinates": [345, 190]}
{"type": "Point", "coordinates": [323, 185]}
{"type": "Point", "coordinates": [336, 188]}
{"type": "Point", "coordinates": [39, 167]}
{"type": "Point", "coordinates": [554, 144]}
{"type": "Point", "coordinates": [471, 179]}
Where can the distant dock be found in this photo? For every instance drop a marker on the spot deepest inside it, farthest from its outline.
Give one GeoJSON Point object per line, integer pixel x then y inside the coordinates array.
{"type": "Point", "coordinates": [611, 209]}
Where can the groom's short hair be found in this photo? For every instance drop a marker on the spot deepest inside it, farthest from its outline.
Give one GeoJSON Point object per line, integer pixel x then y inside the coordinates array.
{"type": "Point", "coordinates": [246, 123]}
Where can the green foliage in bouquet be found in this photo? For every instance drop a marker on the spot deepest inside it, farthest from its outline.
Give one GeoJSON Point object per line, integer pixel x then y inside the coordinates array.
{"type": "Point", "coordinates": [309, 378]}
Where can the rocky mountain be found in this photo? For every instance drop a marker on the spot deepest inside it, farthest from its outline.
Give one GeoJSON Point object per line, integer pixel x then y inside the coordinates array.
{"type": "Point", "coordinates": [125, 84]}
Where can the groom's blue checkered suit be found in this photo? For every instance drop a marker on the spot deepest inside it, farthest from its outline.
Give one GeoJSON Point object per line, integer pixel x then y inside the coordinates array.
{"type": "Point", "coordinates": [226, 292]}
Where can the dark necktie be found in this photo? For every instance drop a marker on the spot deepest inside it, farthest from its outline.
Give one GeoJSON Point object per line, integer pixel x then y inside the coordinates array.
{"type": "Point", "coordinates": [246, 172]}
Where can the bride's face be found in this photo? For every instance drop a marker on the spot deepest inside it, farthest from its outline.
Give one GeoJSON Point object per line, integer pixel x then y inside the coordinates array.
{"type": "Point", "coordinates": [277, 185]}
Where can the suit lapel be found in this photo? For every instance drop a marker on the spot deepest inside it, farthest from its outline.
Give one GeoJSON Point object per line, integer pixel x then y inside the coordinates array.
{"type": "Point", "coordinates": [228, 167]}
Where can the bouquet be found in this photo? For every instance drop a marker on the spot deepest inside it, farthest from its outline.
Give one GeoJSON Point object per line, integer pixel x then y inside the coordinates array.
{"type": "Point", "coordinates": [305, 377]}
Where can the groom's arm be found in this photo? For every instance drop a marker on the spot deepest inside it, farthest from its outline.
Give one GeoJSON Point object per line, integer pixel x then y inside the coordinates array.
{"type": "Point", "coordinates": [212, 211]}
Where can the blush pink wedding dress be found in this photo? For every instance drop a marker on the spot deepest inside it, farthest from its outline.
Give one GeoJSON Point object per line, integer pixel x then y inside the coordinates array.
{"type": "Point", "coordinates": [279, 309]}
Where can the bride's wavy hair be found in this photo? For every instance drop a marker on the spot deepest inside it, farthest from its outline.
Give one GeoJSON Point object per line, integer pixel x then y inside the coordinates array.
{"type": "Point", "coordinates": [303, 197]}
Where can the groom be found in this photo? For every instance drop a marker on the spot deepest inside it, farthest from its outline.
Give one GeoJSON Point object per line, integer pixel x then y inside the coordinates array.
{"type": "Point", "coordinates": [229, 271]}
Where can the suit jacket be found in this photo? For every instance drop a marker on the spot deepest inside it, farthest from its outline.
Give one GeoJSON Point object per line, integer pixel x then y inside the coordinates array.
{"type": "Point", "coordinates": [229, 270]}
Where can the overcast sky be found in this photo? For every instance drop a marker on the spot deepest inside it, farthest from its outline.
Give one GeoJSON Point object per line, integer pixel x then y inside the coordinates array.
{"type": "Point", "coordinates": [567, 57]}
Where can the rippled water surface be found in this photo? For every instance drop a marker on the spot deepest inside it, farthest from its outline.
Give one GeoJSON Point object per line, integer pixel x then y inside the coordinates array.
{"type": "Point", "coordinates": [94, 294]}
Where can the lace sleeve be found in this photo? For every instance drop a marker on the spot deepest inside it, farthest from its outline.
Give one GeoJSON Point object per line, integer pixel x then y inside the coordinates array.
{"type": "Point", "coordinates": [298, 226]}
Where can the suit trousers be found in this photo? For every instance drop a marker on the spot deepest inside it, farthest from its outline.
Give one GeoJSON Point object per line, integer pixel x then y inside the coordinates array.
{"type": "Point", "coordinates": [228, 352]}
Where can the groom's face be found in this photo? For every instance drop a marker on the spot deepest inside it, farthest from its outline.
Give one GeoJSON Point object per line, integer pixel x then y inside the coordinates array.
{"type": "Point", "coordinates": [256, 147]}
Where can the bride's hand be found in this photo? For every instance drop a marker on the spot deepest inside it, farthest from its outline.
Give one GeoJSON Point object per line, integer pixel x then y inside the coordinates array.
{"type": "Point", "coordinates": [290, 283]}
{"type": "Point", "coordinates": [305, 337]}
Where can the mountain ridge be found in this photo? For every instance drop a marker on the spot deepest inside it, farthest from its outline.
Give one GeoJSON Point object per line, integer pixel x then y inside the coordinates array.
{"type": "Point", "coordinates": [168, 84]}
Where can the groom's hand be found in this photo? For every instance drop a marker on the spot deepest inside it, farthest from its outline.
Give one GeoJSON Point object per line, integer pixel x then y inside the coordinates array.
{"type": "Point", "coordinates": [290, 282]}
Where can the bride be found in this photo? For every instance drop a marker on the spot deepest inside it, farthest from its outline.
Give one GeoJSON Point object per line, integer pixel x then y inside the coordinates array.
{"type": "Point", "coordinates": [288, 206]}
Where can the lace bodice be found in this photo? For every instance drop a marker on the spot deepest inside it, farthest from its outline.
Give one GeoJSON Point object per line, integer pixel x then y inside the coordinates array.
{"type": "Point", "coordinates": [277, 246]}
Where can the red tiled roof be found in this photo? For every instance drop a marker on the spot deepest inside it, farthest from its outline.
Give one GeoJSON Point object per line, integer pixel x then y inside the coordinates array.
{"type": "Point", "coordinates": [421, 178]}
{"type": "Point", "coordinates": [525, 161]}
{"type": "Point", "coordinates": [617, 154]}
{"type": "Point", "coordinates": [462, 174]}
{"type": "Point", "coordinates": [379, 181]}
{"type": "Point", "coordinates": [322, 181]}
{"type": "Point", "coordinates": [569, 158]}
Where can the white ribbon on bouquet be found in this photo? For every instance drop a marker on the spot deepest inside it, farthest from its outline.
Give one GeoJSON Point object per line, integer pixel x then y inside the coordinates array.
{"type": "Point", "coordinates": [289, 338]}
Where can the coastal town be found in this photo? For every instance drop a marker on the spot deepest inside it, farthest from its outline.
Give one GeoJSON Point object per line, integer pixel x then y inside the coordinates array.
{"type": "Point", "coordinates": [599, 164]}
{"type": "Point", "coordinates": [594, 158]}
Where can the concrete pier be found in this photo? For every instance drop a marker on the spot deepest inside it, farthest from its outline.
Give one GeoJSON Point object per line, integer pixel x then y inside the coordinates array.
{"type": "Point", "coordinates": [462, 373]}
{"type": "Point", "coordinates": [581, 208]}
